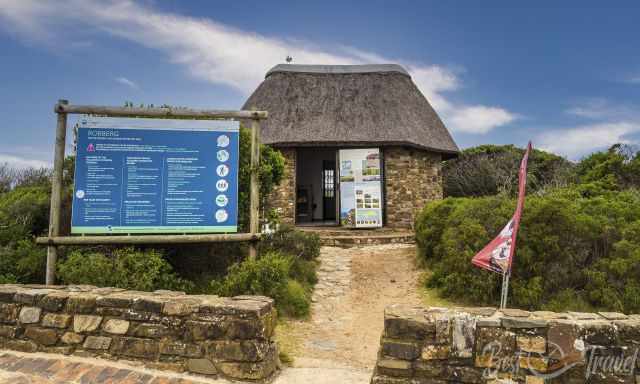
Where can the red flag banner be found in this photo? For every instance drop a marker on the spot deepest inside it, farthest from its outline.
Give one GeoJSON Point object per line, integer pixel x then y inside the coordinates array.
{"type": "Point", "coordinates": [497, 256]}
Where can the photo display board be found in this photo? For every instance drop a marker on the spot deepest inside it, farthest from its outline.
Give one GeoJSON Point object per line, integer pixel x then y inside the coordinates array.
{"type": "Point", "coordinates": [135, 175]}
{"type": "Point", "coordinates": [360, 188]}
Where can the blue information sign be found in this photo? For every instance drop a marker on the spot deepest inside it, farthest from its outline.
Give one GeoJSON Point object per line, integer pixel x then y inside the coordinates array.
{"type": "Point", "coordinates": [155, 176]}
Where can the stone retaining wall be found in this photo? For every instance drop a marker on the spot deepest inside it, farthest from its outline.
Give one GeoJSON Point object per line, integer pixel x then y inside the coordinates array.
{"type": "Point", "coordinates": [482, 345]}
{"type": "Point", "coordinates": [207, 335]}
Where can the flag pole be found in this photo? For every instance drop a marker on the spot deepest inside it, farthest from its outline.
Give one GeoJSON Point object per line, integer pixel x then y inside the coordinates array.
{"type": "Point", "coordinates": [505, 289]}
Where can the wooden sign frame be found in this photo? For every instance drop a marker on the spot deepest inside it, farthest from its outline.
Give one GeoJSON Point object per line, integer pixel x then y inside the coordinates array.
{"type": "Point", "coordinates": [54, 240]}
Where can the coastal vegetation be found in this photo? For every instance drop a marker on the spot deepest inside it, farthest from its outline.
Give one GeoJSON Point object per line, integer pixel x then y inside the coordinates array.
{"type": "Point", "coordinates": [579, 240]}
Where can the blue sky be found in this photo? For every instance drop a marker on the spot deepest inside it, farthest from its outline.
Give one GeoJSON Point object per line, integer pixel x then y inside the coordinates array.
{"type": "Point", "coordinates": [563, 74]}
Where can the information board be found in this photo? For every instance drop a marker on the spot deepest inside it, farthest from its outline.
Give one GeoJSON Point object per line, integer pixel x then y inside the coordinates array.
{"type": "Point", "coordinates": [360, 188]}
{"type": "Point", "coordinates": [155, 176]}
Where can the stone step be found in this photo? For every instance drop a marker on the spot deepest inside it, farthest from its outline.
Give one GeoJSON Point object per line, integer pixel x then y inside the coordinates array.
{"type": "Point", "coordinates": [351, 241]}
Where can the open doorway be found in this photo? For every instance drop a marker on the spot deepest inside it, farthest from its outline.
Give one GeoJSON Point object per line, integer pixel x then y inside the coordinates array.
{"type": "Point", "coordinates": [316, 186]}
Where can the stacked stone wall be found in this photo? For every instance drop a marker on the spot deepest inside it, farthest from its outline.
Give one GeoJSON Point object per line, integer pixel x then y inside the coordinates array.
{"type": "Point", "coordinates": [484, 345]}
{"type": "Point", "coordinates": [412, 178]}
{"type": "Point", "coordinates": [283, 197]}
{"type": "Point", "coordinates": [207, 335]}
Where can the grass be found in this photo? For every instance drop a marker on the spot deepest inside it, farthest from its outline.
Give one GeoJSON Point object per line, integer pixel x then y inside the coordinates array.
{"type": "Point", "coordinates": [430, 297]}
{"type": "Point", "coordinates": [288, 341]}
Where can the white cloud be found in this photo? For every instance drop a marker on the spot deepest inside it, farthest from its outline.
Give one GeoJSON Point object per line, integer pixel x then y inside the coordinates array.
{"type": "Point", "coordinates": [577, 141]}
{"type": "Point", "coordinates": [22, 162]}
{"type": "Point", "coordinates": [479, 118]}
{"type": "Point", "coordinates": [220, 54]}
{"type": "Point", "coordinates": [604, 109]}
{"type": "Point", "coordinates": [127, 82]}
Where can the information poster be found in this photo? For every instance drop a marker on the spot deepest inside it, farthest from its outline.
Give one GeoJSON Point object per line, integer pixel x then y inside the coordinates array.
{"type": "Point", "coordinates": [360, 188]}
{"type": "Point", "coordinates": [155, 176]}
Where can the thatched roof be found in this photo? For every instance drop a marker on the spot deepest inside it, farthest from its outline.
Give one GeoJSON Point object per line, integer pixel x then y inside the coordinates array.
{"type": "Point", "coordinates": [354, 105]}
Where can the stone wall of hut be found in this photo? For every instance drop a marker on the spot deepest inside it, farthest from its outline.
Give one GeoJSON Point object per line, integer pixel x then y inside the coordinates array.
{"type": "Point", "coordinates": [412, 178]}
{"type": "Point", "coordinates": [283, 198]}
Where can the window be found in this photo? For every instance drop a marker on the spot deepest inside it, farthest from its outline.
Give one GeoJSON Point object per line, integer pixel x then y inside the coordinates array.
{"type": "Point", "coordinates": [328, 183]}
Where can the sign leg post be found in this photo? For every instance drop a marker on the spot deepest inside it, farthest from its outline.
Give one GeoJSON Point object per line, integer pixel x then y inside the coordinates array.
{"type": "Point", "coordinates": [56, 194]}
{"type": "Point", "coordinates": [255, 187]}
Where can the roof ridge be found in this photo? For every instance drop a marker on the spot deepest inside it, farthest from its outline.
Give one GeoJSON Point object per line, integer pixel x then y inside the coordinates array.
{"type": "Point", "coordinates": [337, 69]}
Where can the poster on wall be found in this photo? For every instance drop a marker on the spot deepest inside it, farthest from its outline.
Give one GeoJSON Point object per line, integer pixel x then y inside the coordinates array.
{"type": "Point", "coordinates": [360, 188]}
{"type": "Point", "coordinates": [155, 176]}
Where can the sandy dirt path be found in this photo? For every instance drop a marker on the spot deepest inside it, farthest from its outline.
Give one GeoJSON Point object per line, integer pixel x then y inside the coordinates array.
{"type": "Point", "coordinates": [355, 285]}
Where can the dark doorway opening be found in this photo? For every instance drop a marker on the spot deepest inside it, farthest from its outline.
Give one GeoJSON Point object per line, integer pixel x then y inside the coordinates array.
{"type": "Point", "coordinates": [316, 186]}
{"type": "Point", "coordinates": [329, 189]}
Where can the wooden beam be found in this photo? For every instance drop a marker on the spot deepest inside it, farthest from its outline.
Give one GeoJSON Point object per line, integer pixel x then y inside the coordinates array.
{"type": "Point", "coordinates": [56, 194]}
{"type": "Point", "coordinates": [158, 112]}
{"type": "Point", "coordinates": [147, 239]}
{"type": "Point", "coordinates": [254, 210]}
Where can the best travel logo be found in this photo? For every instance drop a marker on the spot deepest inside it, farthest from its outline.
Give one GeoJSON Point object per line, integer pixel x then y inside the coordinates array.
{"type": "Point", "coordinates": [598, 361]}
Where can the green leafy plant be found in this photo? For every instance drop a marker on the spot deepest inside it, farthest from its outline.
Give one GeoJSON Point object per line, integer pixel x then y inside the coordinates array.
{"type": "Point", "coordinates": [269, 275]}
{"type": "Point", "coordinates": [143, 270]}
{"type": "Point", "coordinates": [573, 250]}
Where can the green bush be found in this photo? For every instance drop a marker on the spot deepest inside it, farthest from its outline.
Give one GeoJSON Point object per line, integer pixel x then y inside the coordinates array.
{"type": "Point", "coordinates": [129, 268]}
{"type": "Point", "coordinates": [269, 275]}
{"type": "Point", "coordinates": [490, 169]}
{"type": "Point", "coordinates": [22, 262]}
{"type": "Point", "coordinates": [574, 251]}
{"type": "Point", "coordinates": [287, 239]}
{"type": "Point", "coordinates": [24, 213]}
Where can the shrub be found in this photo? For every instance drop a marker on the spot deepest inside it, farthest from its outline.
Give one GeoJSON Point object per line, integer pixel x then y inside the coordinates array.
{"type": "Point", "coordinates": [269, 275]}
{"type": "Point", "coordinates": [287, 239]}
{"type": "Point", "coordinates": [24, 213]}
{"type": "Point", "coordinates": [574, 251]}
{"type": "Point", "coordinates": [490, 169]}
{"type": "Point", "coordinates": [127, 268]}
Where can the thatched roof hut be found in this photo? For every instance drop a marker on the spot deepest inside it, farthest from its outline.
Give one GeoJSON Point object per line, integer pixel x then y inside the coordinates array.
{"type": "Point", "coordinates": [359, 105]}
{"type": "Point", "coordinates": [363, 147]}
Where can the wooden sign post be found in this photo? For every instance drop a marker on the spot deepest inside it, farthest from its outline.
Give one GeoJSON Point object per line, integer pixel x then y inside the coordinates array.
{"type": "Point", "coordinates": [53, 240]}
